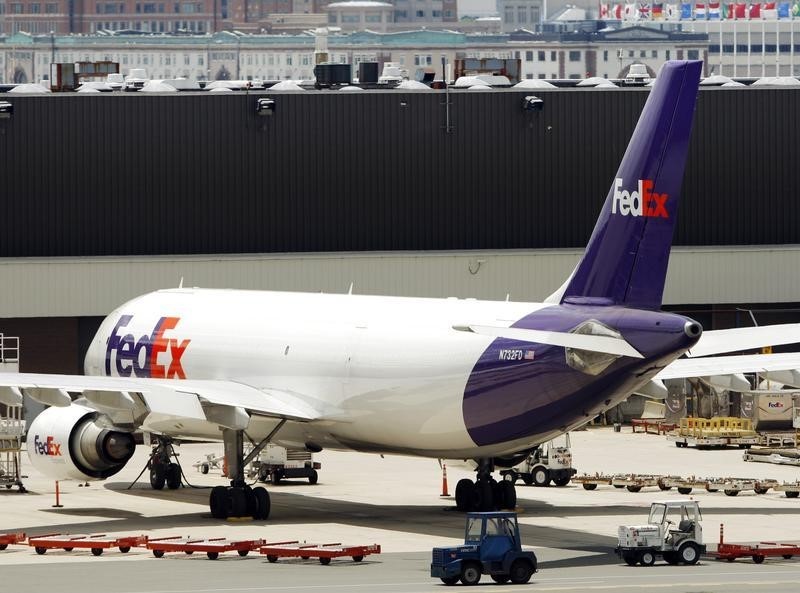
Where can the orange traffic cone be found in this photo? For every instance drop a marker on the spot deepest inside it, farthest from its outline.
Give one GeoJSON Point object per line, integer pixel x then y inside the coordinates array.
{"type": "Point", "coordinates": [444, 481]}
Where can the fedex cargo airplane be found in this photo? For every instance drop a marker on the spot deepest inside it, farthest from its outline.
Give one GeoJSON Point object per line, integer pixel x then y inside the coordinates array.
{"type": "Point", "coordinates": [441, 378]}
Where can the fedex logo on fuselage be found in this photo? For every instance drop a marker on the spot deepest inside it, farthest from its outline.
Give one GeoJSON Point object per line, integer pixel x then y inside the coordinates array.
{"type": "Point", "coordinates": [641, 202]}
{"type": "Point", "coordinates": [155, 356]}
{"type": "Point", "coordinates": [46, 447]}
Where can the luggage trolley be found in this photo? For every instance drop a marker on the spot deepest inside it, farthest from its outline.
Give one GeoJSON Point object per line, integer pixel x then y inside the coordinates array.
{"type": "Point", "coordinates": [96, 543]}
{"type": "Point", "coordinates": [324, 552]}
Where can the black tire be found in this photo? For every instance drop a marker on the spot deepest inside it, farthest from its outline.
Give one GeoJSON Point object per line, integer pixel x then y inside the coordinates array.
{"type": "Point", "coordinates": [357, 558]}
{"type": "Point", "coordinates": [263, 504]}
{"type": "Point", "coordinates": [97, 551]}
{"type": "Point", "coordinates": [521, 571]}
{"type": "Point", "coordinates": [275, 477]}
{"type": "Point", "coordinates": [634, 488]}
{"type": "Point", "coordinates": [212, 555]}
{"type": "Point", "coordinates": [124, 549]}
{"type": "Point", "coordinates": [250, 501]}
{"type": "Point", "coordinates": [40, 550]}
{"type": "Point", "coordinates": [587, 486]}
{"type": "Point", "coordinates": [647, 558]}
{"type": "Point", "coordinates": [204, 468]}
{"type": "Point", "coordinates": [470, 573]}
{"type": "Point", "coordinates": [243, 553]}
{"type": "Point", "coordinates": [541, 476]}
{"type": "Point", "coordinates": [663, 487]}
{"type": "Point", "coordinates": [561, 482]}
{"type": "Point", "coordinates": [173, 476]}
{"type": "Point", "coordinates": [68, 549]}
{"type": "Point", "coordinates": [792, 494]}
{"type": "Point", "coordinates": [218, 502]}
{"type": "Point", "coordinates": [787, 556]}
{"type": "Point", "coordinates": [465, 494]}
{"type": "Point", "coordinates": [313, 477]}
{"type": "Point", "coordinates": [684, 490]}
{"type": "Point", "coordinates": [158, 476]}
{"type": "Point", "coordinates": [324, 561]}
{"type": "Point", "coordinates": [485, 496]}
{"type": "Point", "coordinates": [527, 479]}
{"type": "Point", "coordinates": [689, 553]}
{"type": "Point", "coordinates": [449, 580]}
{"type": "Point", "coordinates": [508, 493]}
{"type": "Point", "coordinates": [731, 492]}
{"type": "Point", "coordinates": [758, 558]}
{"type": "Point", "coordinates": [263, 474]}
{"type": "Point", "coordinates": [188, 552]}
{"type": "Point", "coordinates": [500, 579]}
{"type": "Point", "coordinates": [158, 553]}
{"type": "Point", "coordinates": [511, 476]}
{"type": "Point", "coordinates": [271, 558]}
{"type": "Point", "coordinates": [761, 490]}
{"type": "Point", "coordinates": [630, 559]}
{"type": "Point", "coordinates": [238, 502]}
{"type": "Point", "coordinates": [618, 485]}
{"type": "Point", "coordinates": [671, 558]}
{"type": "Point", "coordinates": [3, 546]}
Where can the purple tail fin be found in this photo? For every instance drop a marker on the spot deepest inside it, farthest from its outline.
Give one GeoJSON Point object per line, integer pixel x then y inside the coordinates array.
{"type": "Point", "coordinates": [626, 258]}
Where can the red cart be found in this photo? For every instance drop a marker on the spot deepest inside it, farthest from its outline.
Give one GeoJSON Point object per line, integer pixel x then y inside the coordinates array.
{"type": "Point", "coordinates": [96, 543]}
{"type": "Point", "coordinates": [7, 539]}
{"type": "Point", "coordinates": [758, 552]}
{"type": "Point", "coordinates": [324, 552]}
{"type": "Point", "coordinates": [213, 547]}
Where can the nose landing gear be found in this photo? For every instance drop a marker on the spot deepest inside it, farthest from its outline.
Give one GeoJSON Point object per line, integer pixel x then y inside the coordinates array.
{"type": "Point", "coordinates": [485, 493]}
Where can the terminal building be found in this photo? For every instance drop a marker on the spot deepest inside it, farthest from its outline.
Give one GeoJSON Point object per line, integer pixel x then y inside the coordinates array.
{"type": "Point", "coordinates": [428, 193]}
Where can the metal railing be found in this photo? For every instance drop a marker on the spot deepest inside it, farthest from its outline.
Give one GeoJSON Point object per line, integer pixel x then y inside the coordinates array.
{"type": "Point", "coordinates": [9, 349]}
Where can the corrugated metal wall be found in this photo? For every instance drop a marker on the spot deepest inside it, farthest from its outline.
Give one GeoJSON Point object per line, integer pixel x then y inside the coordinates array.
{"type": "Point", "coordinates": [376, 171]}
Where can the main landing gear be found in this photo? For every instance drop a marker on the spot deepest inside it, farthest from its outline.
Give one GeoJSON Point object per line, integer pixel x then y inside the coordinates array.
{"type": "Point", "coordinates": [485, 493]}
{"type": "Point", "coordinates": [239, 499]}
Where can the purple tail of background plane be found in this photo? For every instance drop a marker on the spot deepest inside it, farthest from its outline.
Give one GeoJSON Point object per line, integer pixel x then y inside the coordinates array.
{"type": "Point", "coordinates": [626, 258]}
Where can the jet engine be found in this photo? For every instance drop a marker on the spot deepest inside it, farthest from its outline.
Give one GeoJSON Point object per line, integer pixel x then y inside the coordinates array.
{"type": "Point", "coordinates": [70, 443]}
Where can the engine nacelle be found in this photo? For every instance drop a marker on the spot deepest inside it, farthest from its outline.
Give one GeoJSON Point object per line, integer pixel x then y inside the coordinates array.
{"type": "Point", "coordinates": [67, 443]}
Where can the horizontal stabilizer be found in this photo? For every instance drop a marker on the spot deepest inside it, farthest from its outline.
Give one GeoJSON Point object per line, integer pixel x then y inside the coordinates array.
{"type": "Point", "coordinates": [728, 365]}
{"type": "Point", "coordinates": [605, 344]}
{"type": "Point", "coordinates": [720, 341]}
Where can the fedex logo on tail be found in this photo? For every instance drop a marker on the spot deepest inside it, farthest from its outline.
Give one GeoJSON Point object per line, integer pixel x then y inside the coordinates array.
{"type": "Point", "coordinates": [641, 202]}
{"type": "Point", "coordinates": [154, 356]}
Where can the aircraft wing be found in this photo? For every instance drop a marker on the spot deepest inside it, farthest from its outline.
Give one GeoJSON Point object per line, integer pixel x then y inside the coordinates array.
{"type": "Point", "coordinates": [214, 400]}
{"type": "Point", "coordinates": [744, 338]}
{"type": "Point", "coordinates": [727, 365]}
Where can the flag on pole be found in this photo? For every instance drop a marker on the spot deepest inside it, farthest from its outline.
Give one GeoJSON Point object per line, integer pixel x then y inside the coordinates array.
{"type": "Point", "coordinates": [631, 12]}
{"type": "Point", "coordinates": [700, 11]}
{"type": "Point", "coordinates": [686, 11]}
{"type": "Point", "coordinates": [796, 9]}
{"type": "Point", "coordinates": [768, 11]}
{"type": "Point", "coordinates": [644, 11]}
{"type": "Point", "coordinates": [783, 10]}
{"type": "Point", "coordinates": [673, 13]}
{"type": "Point", "coordinates": [713, 11]}
{"type": "Point", "coordinates": [657, 11]}
{"type": "Point", "coordinates": [755, 11]}
{"type": "Point", "coordinates": [739, 10]}
{"type": "Point", "coordinates": [616, 12]}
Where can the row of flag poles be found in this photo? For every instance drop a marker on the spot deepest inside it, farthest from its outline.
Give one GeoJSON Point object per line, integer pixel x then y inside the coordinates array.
{"type": "Point", "coordinates": [711, 11]}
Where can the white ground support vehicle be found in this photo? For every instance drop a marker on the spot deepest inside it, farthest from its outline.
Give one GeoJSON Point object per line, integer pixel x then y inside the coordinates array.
{"type": "Point", "coordinates": [673, 531]}
{"type": "Point", "coordinates": [275, 463]}
{"type": "Point", "coordinates": [551, 462]}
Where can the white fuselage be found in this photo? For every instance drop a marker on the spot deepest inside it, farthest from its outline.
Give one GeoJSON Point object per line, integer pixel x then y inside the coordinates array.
{"type": "Point", "coordinates": [386, 374]}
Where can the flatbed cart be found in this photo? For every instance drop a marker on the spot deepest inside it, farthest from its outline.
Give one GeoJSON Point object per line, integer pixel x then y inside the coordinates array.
{"type": "Point", "coordinates": [96, 543]}
{"type": "Point", "coordinates": [634, 482]}
{"type": "Point", "coordinates": [213, 547]}
{"type": "Point", "coordinates": [758, 552]}
{"type": "Point", "coordinates": [7, 539]}
{"type": "Point", "coordinates": [591, 482]}
{"type": "Point", "coordinates": [324, 552]}
{"type": "Point", "coordinates": [791, 490]}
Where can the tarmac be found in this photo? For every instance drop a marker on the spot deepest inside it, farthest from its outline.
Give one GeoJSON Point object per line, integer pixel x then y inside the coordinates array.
{"type": "Point", "coordinates": [396, 502]}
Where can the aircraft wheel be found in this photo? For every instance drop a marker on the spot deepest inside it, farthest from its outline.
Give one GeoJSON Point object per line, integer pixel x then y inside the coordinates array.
{"type": "Point", "coordinates": [158, 476]}
{"type": "Point", "coordinates": [218, 502]}
{"type": "Point", "coordinates": [237, 499]}
{"type": "Point", "coordinates": [172, 476]}
{"type": "Point", "coordinates": [204, 468]}
{"type": "Point", "coordinates": [508, 495]}
{"type": "Point", "coordinates": [465, 494]}
{"type": "Point", "coordinates": [484, 496]}
{"type": "Point", "coordinates": [262, 503]}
